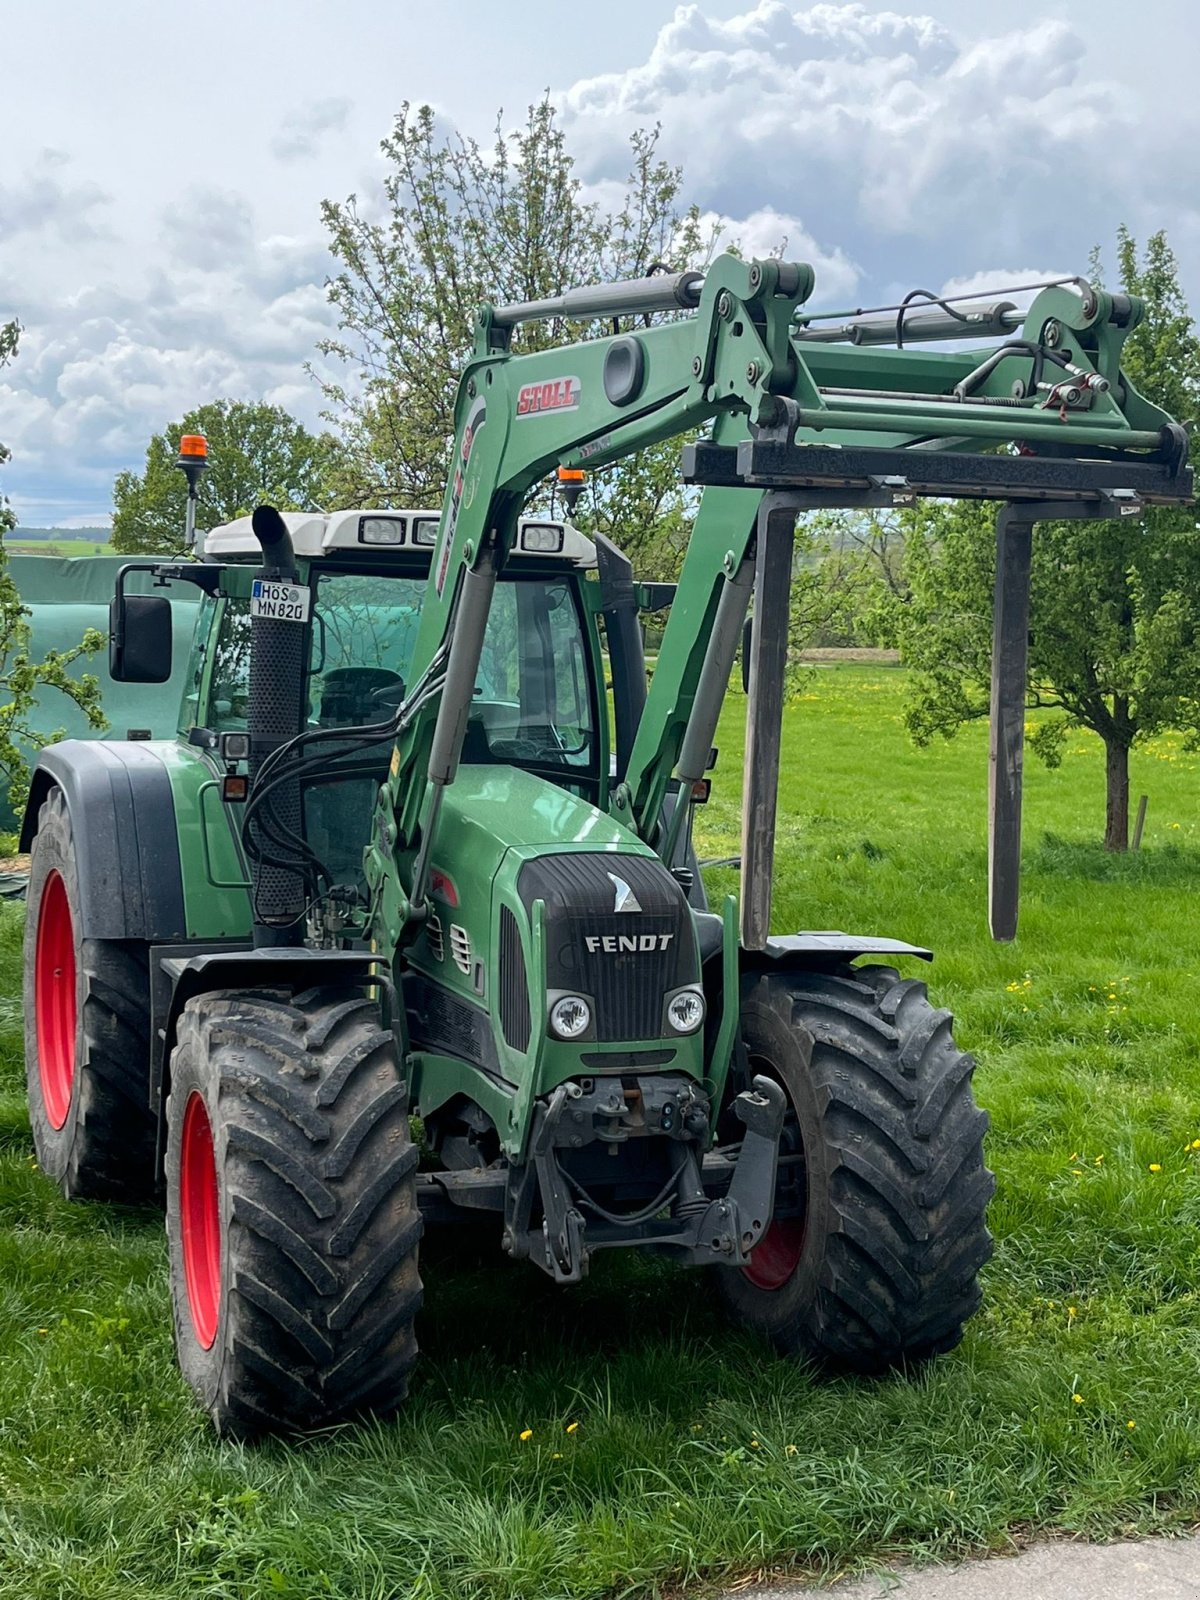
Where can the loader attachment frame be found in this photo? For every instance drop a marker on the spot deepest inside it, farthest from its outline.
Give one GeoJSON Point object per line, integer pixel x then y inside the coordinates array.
{"type": "Point", "coordinates": [799, 422]}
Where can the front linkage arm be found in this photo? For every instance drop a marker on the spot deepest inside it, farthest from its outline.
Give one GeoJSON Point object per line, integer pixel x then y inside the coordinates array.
{"type": "Point", "coordinates": [517, 418]}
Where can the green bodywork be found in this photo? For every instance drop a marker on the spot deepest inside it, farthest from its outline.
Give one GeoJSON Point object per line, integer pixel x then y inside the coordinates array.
{"type": "Point", "coordinates": [497, 818]}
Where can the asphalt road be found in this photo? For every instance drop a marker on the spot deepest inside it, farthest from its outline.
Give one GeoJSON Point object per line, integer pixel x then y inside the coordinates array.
{"type": "Point", "coordinates": [1160, 1569]}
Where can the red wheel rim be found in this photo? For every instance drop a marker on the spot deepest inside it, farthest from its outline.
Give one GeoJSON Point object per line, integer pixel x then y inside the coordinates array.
{"type": "Point", "coordinates": [200, 1220]}
{"type": "Point", "coordinates": [777, 1254]}
{"type": "Point", "coordinates": [54, 1001]}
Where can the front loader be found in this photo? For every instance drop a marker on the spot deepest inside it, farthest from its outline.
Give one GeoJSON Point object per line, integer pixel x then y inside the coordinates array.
{"type": "Point", "coordinates": [394, 866]}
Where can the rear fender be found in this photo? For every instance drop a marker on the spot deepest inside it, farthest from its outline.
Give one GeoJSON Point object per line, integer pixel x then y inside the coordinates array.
{"type": "Point", "coordinates": [124, 828]}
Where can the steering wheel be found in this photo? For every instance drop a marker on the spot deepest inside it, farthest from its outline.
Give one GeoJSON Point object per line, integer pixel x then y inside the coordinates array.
{"type": "Point", "coordinates": [352, 695]}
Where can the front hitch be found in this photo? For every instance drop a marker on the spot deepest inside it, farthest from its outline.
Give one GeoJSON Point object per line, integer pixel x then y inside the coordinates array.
{"type": "Point", "coordinates": [702, 1231]}
{"type": "Point", "coordinates": [734, 1224]}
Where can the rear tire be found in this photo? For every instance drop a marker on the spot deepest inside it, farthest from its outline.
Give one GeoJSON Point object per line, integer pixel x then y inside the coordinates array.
{"type": "Point", "coordinates": [87, 1034]}
{"type": "Point", "coordinates": [292, 1215]}
{"type": "Point", "coordinates": [879, 1262]}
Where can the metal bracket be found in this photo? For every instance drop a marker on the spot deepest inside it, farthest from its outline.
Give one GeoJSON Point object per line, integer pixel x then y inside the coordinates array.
{"type": "Point", "coordinates": [898, 489]}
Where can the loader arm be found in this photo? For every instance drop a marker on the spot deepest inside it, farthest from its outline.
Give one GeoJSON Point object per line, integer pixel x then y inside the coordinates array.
{"type": "Point", "coordinates": [803, 416]}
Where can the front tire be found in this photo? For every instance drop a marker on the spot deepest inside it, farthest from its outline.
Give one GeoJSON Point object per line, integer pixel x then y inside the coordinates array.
{"type": "Point", "coordinates": [292, 1217]}
{"type": "Point", "coordinates": [87, 1034]}
{"type": "Point", "coordinates": [874, 1260]}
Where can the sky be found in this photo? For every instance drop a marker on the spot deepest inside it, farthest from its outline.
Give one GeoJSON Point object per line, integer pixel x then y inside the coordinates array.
{"type": "Point", "coordinates": [162, 167]}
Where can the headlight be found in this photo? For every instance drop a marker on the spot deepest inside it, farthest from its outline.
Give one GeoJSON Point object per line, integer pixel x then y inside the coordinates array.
{"type": "Point", "coordinates": [542, 537]}
{"type": "Point", "coordinates": [380, 530]}
{"type": "Point", "coordinates": [685, 1011]}
{"type": "Point", "coordinates": [570, 1016]}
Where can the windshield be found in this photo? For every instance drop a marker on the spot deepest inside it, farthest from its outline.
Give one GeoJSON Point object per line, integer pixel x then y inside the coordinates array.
{"type": "Point", "coordinates": [533, 705]}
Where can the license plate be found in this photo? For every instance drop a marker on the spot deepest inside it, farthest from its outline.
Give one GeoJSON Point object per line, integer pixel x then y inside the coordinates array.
{"type": "Point", "coordinates": [282, 602]}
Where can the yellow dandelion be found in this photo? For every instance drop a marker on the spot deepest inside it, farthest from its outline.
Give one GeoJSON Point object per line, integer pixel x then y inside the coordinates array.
{"type": "Point", "coordinates": [1078, 1399]}
{"type": "Point", "coordinates": [754, 1444]}
{"type": "Point", "coordinates": [1077, 1172]}
{"type": "Point", "coordinates": [789, 1450]}
{"type": "Point", "coordinates": [526, 1435]}
{"type": "Point", "coordinates": [1131, 1424]}
{"type": "Point", "coordinates": [556, 1455]}
{"type": "Point", "coordinates": [1099, 1161]}
{"type": "Point", "coordinates": [1074, 1156]}
{"type": "Point", "coordinates": [572, 1426]}
{"type": "Point", "coordinates": [1154, 1167]}
{"type": "Point", "coordinates": [1072, 1311]}
{"type": "Point", "coordinates": [1196, 1144]}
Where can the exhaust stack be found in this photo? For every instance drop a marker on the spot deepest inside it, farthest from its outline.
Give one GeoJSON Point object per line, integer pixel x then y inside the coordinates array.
{"type": "Point", "coordinates": [276, 714]}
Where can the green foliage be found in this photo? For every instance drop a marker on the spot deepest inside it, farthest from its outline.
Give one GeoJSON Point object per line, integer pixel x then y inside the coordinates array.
{"type": "Point", "coordinates": [700, 1456]}
{"type": "Point", "coordinates": [10, 332]}
{"type": "Point", "coordinates": [256, 452]}
{"type": "Point", "coordinates": [1115, 643]}
{"type": "Point", "coordinates": [22, 678]}
{"type": "Point", "coordinates": [461, 224]}
{"type": "Point", "coordinates": [851, 580]}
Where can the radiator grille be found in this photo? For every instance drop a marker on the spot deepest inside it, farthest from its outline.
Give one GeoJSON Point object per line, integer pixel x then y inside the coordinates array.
{"type": "Point", "coordinates": [514, 984]}
{"type": "Point", "coordinates": [580, 892]}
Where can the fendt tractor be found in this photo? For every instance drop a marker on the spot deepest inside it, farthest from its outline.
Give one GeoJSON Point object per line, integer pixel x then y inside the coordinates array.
{"type": "Point", "coordinates": [395, 866]}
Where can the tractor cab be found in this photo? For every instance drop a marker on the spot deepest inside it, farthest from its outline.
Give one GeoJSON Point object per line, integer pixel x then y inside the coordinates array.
{"type": "Point", "coordinates": [538, 690]}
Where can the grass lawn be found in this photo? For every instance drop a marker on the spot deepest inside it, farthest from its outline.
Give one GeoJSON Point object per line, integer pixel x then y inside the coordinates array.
{"type": "Point", "coordinates": [1073, 1404]}
{"type": "Point", "coordinates": [56, 547]}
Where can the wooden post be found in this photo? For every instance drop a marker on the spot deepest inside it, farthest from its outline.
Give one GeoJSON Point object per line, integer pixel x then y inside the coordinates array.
{"type": "Point", "coordinates": [1010, 662]}
{"type": "Point", "coordinates": [1141, 821]}
{"type": "Point", "coordinates": [764, 715]}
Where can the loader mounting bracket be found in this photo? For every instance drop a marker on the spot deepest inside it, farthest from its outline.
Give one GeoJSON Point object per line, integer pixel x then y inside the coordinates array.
{"type": "Point", "coordinates": [897, 476]}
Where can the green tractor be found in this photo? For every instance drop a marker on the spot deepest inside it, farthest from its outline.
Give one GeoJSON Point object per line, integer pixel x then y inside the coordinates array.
{"type": "Point", "coordinates": [395, 863]}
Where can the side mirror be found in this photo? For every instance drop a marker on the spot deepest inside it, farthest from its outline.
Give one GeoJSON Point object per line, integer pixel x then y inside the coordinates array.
{"type": "Point", "coordinates": [747, 636]}
{"type": "Point", "coordinates": [139, 644]}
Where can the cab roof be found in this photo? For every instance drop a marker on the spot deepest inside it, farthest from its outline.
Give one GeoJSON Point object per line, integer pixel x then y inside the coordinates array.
{"type": "Point", "coordinates": [316, 533]}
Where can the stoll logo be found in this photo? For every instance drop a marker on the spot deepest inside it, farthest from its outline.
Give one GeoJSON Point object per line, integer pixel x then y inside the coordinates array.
{"type": "Point", "coordinates": [559, 394]}
{"type": "Point", "coordinates": [614, 944]}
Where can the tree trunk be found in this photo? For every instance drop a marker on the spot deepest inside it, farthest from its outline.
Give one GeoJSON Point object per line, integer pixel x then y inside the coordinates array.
{"type": "Point", "coordinates": [1116, 809]}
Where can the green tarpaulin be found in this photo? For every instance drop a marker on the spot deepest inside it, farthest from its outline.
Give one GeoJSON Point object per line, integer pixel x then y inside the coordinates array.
{"type": "Point", "coordinates": [65, 597]}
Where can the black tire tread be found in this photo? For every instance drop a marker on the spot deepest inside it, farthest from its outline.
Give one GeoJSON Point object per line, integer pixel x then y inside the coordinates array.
{"type": "Point", "coordinates": [902, 1156]}
{"type": "Point", "coordinates": [106, 1149]}
{"type": "Point", "coordinates": [321, 1222]}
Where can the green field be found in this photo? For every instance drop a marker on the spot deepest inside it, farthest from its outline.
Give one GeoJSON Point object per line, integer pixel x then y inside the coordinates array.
{"type": "Point", "coordinates": [56, 547]}
{"type": "Point", "coordinates": [1073, 1404]}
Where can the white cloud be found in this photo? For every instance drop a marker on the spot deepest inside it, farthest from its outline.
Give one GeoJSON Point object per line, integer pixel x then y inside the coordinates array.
{"type": "Point", "coordinates": [896, 141]}
{"type": "Point", "coordinates": [301, 131]}
{"type": "Point", "coordinates": [218, 311]}
{"type": "Point", "coordinates": [208, 229]}
{"type": "Point", "coordinates": [48, 202]}
{"type": "Point", "coordinates": [768, 232]}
